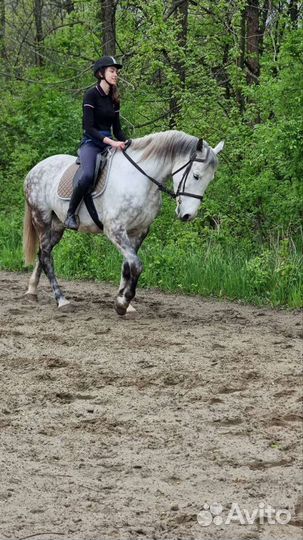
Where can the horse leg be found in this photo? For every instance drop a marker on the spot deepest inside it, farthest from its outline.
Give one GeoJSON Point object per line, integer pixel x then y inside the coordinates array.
{"type": "Point", "coordinates": [57, 232]}
{"type": "Point", "coordinates": [49, 235]}
{"type": "Point", "coordinates": [31, 293]}
{"type": "Point", "coordinates": [136, 242]}
{"type": "Point", "coordinates": [131, 269]}
{"type": "Point", "coordinates": [47, 263]}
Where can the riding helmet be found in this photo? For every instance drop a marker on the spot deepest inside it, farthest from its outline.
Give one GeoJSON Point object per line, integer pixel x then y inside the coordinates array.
{"type": "Point", "coordinates": [104, 62]}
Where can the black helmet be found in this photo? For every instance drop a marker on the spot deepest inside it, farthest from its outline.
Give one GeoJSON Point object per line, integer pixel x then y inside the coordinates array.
{"type": "Point", "coordinates": [104, 62]}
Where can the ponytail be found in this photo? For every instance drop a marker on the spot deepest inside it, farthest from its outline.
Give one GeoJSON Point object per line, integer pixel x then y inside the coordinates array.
{"type": "Point", "coordinates": [114, 93]}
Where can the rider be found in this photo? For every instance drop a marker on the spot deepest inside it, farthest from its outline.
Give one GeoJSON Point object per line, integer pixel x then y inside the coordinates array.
{"type": "Point", "coordinates": [100, 118]}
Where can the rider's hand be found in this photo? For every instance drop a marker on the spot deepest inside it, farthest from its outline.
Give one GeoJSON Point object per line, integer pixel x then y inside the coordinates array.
{"type": "Point", "coordinates": [118, 144]}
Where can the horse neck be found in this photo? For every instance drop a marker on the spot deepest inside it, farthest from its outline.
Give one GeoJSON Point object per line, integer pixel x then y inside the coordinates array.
{"type": "Point", "coordinates": [160, 169]}
{"type": "Point", "coordinates": [174, 149]}
{"type": "Point", "coordinates": [163, 169]}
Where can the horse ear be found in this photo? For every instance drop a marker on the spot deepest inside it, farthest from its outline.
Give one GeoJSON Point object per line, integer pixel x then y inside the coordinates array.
{"type": "Point", "coordinates": [200, 145]}
{"type": "Point", "coordinates": [219, 147]}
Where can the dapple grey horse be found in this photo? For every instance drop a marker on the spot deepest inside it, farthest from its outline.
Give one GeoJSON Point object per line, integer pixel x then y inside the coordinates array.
{"type": "Point", "coordinates": [130, 203]}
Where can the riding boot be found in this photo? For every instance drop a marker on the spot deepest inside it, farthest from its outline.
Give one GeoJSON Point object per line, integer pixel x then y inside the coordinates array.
{"type": "Point", "coordinates": [72, 221]}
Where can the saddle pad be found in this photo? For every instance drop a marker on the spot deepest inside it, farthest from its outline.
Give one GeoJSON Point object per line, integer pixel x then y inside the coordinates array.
{"type": "Point", "coordinates": [65, 187]}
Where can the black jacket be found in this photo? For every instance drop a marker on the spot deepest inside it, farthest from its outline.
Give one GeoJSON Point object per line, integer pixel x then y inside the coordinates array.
{"type": "Point", "coordinates": [101, 113]}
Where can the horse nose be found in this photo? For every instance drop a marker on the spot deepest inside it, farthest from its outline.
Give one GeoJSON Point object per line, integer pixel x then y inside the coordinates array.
{"type": "Point", "coordinates": [185, 217]}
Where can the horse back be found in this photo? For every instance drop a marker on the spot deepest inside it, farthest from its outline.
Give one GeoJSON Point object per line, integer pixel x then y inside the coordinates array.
{"type": "Point", "coordinates": [42, 180]}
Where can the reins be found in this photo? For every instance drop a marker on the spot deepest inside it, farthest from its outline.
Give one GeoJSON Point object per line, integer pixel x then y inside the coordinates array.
{"type": "Point", "coordinates": [187, 166]}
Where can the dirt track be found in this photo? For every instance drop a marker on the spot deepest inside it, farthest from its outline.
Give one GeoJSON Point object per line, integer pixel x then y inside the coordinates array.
{"type": "Point", "coordinates": [125, 427]}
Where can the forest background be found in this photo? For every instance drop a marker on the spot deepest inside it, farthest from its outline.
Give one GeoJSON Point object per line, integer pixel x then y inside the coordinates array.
{"type": "Point", "coordinates": [227, 70]}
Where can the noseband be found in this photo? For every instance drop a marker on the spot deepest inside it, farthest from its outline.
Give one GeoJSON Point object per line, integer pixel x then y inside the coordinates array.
{"type": "Point", "coordinates": [187, 166]}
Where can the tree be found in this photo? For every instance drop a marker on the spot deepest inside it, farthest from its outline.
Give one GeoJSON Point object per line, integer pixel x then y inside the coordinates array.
{"type": "Point", "coordinates": [39, 33]}
{"type": "Point", "coordinates": [255, 27]}
{"type": "Point", "coordinates": [252, 41]}
{"type": "Point", "coordinates": [69, 6]}
{"type": "Point", "coordinates": [179, 9]}
{"type": "Point", "coordinates": [294, 12]}
{"type": "Point", "coordinates": [108, 27]}
{"type": "Point", "coordinates": [2, 29]}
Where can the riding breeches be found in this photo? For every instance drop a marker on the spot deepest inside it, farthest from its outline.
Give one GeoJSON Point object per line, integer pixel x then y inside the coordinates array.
{"type": "Point", "coordinates": [88, 153]}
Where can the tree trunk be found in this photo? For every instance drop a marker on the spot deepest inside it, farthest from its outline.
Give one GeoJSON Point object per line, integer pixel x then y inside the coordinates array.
{"type": "Point", "coordinates": [253, 41]}
{"type": "Point", "coordinates": [182, 17]}
{"type": "Point", "coordinates": [39, 35]}
{"type": "Point", "coordinates": [223, 78]}
{"type": "Point", "coordinates": [108, 27]}
{"type": "Point", "coordinates": [180, 9]}
{"type": "Point", "coordinates": [2, 29]}
{"type": "Point", "coordinates": [69, 6]}
{"type": "Point", "coordinates": [293, 12]}
{"type": "Point", "coordinates": [226, 82]}
{"type": "Point", "coordinates": [263, 19]}
{"type": "Point", "coordinates": [241, 58]}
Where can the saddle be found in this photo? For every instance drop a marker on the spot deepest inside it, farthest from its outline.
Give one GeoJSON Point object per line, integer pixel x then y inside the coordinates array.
{"type": "Point", "coordinates": [72, 174]}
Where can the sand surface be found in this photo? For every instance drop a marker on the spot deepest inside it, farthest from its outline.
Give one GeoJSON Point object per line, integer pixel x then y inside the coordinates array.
{"type": "Point", "coordinates": [126, 427]}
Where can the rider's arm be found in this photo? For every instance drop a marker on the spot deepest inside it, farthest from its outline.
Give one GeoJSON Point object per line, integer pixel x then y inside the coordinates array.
{"type": "Point", "coordinates": [117, 130]}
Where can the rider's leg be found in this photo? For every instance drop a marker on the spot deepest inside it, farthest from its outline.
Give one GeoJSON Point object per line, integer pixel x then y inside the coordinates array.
{"type": "Point", "coordinates": [88, 153]}
{"type": "Point", "coordinates": [72, 221]}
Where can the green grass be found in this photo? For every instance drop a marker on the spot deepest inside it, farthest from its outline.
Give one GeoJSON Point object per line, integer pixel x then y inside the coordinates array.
{"type": "Point", "coordinates": [228, 273]}
{"type": "Point", "coordinates": [11, 254]}
{"type": "Point", "coordinates": [266, 275]}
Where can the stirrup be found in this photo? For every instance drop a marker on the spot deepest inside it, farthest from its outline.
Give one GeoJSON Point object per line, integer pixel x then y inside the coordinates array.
{"type": "Point", "coordinates": [72, 222]}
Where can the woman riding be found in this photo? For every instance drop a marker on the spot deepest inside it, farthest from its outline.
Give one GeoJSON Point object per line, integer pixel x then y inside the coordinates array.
{"type": "Point", "coordinates": [100, 119]}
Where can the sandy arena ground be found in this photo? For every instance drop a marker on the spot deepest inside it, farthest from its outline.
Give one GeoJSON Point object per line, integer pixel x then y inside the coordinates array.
{"type": "Point", "coordinates": [123, 428]}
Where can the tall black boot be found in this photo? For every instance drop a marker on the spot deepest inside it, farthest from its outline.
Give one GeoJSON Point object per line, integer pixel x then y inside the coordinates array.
{"type": "Point", "coordinates": [72, 221]}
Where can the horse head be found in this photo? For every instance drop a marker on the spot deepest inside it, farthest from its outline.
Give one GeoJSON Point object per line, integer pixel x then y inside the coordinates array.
{"type": "Point", "coordinates": [192, 179]}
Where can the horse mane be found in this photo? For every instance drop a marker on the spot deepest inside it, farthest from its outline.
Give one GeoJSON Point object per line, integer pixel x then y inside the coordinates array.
{"type": "Point", "coordinates": [165, 145]}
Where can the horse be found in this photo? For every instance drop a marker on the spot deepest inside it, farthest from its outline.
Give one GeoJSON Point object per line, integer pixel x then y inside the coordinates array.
{"type": "Point", "coordinates": [127, 208]}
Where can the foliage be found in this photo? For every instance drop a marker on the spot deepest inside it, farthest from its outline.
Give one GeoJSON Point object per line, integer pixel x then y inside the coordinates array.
{"type": "Point", "coordinates": [247, 240]}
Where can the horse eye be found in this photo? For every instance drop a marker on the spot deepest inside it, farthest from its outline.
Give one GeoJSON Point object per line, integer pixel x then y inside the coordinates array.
{"type": "Point", "coordinates": [196, 176]}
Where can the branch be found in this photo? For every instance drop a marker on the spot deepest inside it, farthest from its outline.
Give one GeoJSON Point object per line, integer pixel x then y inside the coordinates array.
{"type": "Point", "coordinates": [250, 72]}
{"type": "Point", "coordinates": [174, 7]}
{"type": "Point", "coordinates": [168, 113]}
{"type": "Point", "coordinates": [62, 26]}
{"type": "Point", "coordinates": [37, 81]}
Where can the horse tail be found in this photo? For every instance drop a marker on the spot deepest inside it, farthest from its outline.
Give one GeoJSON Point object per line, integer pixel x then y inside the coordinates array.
{"type": "Point", "coordinates": [30, 238]}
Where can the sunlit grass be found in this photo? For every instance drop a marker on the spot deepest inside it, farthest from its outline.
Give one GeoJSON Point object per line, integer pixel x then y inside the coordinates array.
{"type": "Point", "coordinates": [272, 276]}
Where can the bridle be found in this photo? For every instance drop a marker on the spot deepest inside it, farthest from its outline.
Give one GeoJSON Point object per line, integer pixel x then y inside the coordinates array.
{"type": "Point", "coordinates": [182, 184]}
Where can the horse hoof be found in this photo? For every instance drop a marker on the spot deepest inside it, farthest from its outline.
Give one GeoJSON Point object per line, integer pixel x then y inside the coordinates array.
{"type": "Point", "coordinates": [67, 308]}
{"type": "Point", "coordinates": [31, 297]}
{"type": "Point", "coordinates": [120, 308]}
{"type": "Point", "coordinates": [65, 305]}
{"type": "Point", "coordinates": [131, 309]}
